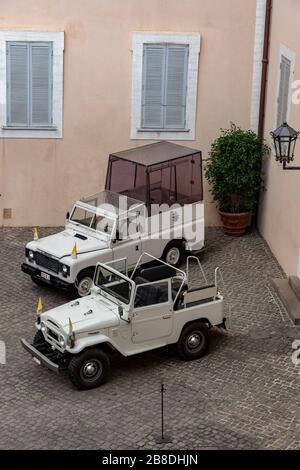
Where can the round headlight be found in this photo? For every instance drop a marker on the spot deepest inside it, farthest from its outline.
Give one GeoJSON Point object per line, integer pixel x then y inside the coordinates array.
{"type": "Point", "coordinates": [31, 254]}
{"type": "Point", "coordinates": [62, 341]}
{"type": "Point", "coordinates": [64, 269]}
{"type": "Point", "coordinates": [43, 327]}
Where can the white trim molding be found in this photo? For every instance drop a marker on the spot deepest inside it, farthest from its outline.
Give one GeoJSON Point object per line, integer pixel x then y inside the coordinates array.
{"type": "Point", "coordinates": [257, 62]}
{"type": "Point", "coordinates": [57, 38]}
{"type": "Point", "coordinates": [138, 41]}
{"type": "Point", "coordinates": [290, 55]}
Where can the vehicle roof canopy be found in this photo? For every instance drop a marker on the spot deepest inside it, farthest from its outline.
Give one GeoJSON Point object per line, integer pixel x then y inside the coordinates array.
{"type": "Point", "coordinates": [158, 173]}
{"type": "Point", "coordinates": [152, 154]}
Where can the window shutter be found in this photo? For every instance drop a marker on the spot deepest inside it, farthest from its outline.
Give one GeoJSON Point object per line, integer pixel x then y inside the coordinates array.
{"type": "Point", "coordinates": [41, 71]}
{"type": "Point", "coordinates": [175, 92]}
{"type": "Point", "coordinates": [17, 84]}
{"type": "Point", "coordinates": [284, 90]}
{"type": "Point", "coordinates": [153, 86]}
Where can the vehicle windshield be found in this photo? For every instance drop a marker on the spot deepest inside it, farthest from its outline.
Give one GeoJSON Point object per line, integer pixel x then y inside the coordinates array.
{"type": "Point", "coordinates": [113, 284]}
{"type": "Point", "coordinates": [89, 219]}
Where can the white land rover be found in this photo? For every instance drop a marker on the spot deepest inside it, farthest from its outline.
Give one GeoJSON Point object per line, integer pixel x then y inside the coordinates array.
{"type": "Point", "coordinates": [154, 307]}
{"type": "Point", "coordinates": [153, 201]}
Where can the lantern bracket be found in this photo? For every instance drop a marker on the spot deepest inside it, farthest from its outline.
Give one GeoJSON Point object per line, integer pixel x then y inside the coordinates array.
{"type": "Point", "coordinates": [286, 167]}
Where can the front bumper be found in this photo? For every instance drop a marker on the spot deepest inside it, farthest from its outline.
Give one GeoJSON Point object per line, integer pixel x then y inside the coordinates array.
{"type": "Point", "coordinates": [41, 358]}
{"type": "Point", "coordinates": [54, 281]}
{"type": "Point", "coordinates": [223, 324]}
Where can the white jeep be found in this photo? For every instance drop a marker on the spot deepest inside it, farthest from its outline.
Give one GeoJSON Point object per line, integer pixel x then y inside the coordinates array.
{"type": "Point", "coordinates": [153, 202]}
{"type": "Point", "coordinates": [154, 307]}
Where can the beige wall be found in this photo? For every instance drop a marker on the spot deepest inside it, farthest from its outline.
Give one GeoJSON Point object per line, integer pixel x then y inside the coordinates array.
{"type": "Point", "coordinates": [40, 179]}
{"type": "Point", "coordinates": [279, 220]}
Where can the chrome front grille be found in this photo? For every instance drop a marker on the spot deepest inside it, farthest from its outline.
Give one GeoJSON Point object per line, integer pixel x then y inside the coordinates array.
{"type": "Point", "coordinates": [52, 337]}
{"type": "Point", "coordinates": [47, 262]}
{"type": "Point", "coordinates": [53, 334]}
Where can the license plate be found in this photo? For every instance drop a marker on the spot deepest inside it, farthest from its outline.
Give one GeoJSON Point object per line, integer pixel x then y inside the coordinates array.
{"type": "Point", "coordinates": [37, 361]}
{"type": "Point", "coordinates": [45, 276]}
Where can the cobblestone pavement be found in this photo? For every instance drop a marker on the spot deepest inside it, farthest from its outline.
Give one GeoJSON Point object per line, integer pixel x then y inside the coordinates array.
{"type": "Point", "coordinates": [243, 395]}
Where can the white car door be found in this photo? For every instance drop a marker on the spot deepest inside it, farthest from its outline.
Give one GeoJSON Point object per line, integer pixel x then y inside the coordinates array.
{"type": "Point", "coordinates": [153, 312]}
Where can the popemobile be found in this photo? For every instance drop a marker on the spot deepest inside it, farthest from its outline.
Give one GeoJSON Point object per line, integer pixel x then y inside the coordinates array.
{"type": "Point", "coordinates": [144, 185]}
{"type": "Point", "coordinates": [154, 307]}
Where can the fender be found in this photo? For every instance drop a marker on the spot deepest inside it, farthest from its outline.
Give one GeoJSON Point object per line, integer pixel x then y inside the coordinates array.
{"type": "Point", "coordinates": [89, 341]}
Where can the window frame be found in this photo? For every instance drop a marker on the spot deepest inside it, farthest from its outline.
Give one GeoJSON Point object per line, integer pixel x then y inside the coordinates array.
{"type": "Point", "coordinates": [56, 129]}
{"type": "Point", "coordinates": [193, 41]}
{"type": "Point", "coordinates": [291, 56]}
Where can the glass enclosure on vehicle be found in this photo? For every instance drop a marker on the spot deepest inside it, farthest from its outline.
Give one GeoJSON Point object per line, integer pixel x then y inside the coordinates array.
{"type": "Point", "coordinates": [89, 219]}
{"type": "Point", "coordinates": [160, 173]}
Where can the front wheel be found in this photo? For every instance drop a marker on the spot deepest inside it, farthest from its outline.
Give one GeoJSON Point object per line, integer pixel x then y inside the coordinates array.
{"type": "Point", "coordinates": [83, 283]}
{"type": "Point", "coordinates": [193, 342]}
{"type": "Point", "coordinates": [89, 369]}
{"type": "Point", "coordinates": [174, 253]}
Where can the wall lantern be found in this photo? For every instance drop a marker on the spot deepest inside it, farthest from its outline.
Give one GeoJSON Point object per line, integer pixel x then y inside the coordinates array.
{"type": "Point", "coordinates": [285, 138]}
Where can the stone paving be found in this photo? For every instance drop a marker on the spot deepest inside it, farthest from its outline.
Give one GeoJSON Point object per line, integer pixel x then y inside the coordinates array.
{"type": "Point", "coordinates": [243, 395]}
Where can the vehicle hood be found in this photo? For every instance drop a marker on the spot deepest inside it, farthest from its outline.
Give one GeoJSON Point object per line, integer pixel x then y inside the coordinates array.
{"type": "Point", "coordinates": [61, 244]}
{"type": "Point", "coordinates": [88, 313]}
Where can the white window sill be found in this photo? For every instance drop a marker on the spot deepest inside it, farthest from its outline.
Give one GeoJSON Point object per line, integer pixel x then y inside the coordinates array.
{"type": "Point", "coordinates": [9, 132]}
{"type": "Point", "coordinates": [162, 134]}
{"type": "Point", "coordinates": [24, 128]}
{"type": "Point", "coordinates": [154, 129]}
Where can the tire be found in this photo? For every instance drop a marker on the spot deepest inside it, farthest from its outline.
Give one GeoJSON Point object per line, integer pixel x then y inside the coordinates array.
{"type": "Point", "coordinates": [83, 283]}
{"type": "Point", "coordinates": [187, 346]}
{"type": "Point", "coordinates": [89, 369]}
{"type": "Point", "coordinates": [38, 339]}
{"type": "Point", "coordinates": [174, 253]}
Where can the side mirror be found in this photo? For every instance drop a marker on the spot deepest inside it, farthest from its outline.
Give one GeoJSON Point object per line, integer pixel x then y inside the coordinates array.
{"type": "Point", "coordinates": [67, 215]}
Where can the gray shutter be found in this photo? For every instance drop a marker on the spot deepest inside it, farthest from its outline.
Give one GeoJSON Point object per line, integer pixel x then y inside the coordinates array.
{"type": "Point", "coordinates": [17, 84]}
{"type": "Point", "coordinates": [175, 86]}
{"type": "Point", "coordinates": [284, 90]}
{"type": "Point", "coordinates": [153, 86]}
{"type": "Point", "coordinates": [41, 78]}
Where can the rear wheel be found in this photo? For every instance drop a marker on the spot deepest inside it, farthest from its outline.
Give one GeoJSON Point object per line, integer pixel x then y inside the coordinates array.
{"type": "Point", "coordinates": [89, 369]}
{"type": "Point", "coordinates": [193, 342]}
{"type": "Point", "coordinates": [174, 253]}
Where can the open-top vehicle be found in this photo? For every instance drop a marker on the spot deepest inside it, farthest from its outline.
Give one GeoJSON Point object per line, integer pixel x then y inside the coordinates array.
{"type": "Point", "coordinates": [153, 202]}
{"type": "Point", "coordinates": [154, 307]}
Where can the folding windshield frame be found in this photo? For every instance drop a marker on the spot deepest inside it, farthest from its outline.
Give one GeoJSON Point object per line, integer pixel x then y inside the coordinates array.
{"type": "Point", "coordinates": [117, 300]}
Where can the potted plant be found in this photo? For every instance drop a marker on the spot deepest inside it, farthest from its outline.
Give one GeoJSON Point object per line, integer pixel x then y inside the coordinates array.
{"type": "Point", "coordinates": [235, 174]}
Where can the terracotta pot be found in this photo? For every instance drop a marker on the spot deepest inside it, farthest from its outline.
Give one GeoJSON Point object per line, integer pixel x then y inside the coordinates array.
{"type": "Point", "coordinates": [235, 224]}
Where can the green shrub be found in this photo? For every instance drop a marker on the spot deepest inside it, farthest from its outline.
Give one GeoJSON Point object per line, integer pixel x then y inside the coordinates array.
{"type": "Point", "coordinates": [234, 169]}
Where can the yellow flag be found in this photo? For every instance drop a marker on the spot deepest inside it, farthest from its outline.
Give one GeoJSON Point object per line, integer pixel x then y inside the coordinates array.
{"type": "Point", "coordinates": [40, 306]}
{"type": "Point", "coordinates": [35, 233]}
{"type": "Point", "coordinates": [74, 251]}
{"type": "Point", "coordinates": [70, 327]}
